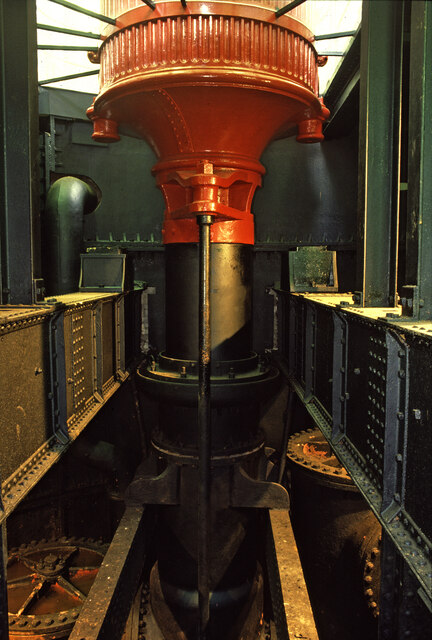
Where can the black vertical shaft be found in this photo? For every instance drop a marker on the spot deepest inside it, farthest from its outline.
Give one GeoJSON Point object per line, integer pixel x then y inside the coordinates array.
{"type": "Point", "coordinates": [204, 424]}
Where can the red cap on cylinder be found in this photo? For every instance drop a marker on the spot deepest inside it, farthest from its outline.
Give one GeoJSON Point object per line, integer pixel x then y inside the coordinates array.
{"type": "Point", "coordinates": [211, 84]}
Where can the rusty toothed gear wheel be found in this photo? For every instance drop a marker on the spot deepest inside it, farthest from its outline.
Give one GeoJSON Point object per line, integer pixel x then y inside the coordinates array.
{"type": "Point", "coordinates": [47, 583]}
{"type": "Point", "coordinates": [310, 452]}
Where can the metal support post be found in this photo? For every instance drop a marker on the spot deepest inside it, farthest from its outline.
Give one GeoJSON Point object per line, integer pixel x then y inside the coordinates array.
{"type": "Point", "coordinates": [71, 32]}
{"type": "Point", "coordinates": [72, 76]}
{"type": "Point", "coordinates": [204, 423]}
{"type": "Point", "coordinates": [19, 162]}
{"type": "Point", "coordinates": [4, 630]}
{"type": "Point", "coordinates": [379, 151]}
{"type": "Point", "coordinates": [288, 7]}
{"type": "Point", "coordinates": [419, 213]}
{"type": "Point", "coordinates": [105, 611]}
{"type": "Point", "coordinates": [86, 12]}
{"type": "Point", "coordinates": [286, 433]}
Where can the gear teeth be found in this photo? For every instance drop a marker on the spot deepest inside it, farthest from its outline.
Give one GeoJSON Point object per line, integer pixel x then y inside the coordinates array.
{"type": "Point", "coordinates": [54, 624]}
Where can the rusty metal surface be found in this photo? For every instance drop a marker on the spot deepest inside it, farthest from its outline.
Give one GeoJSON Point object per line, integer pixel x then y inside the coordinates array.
{"type": "Point", "coordinates": [331, 523]}
{"type": "Point", "coordinates": [379, 441]}
{"type": "Point", "coordinates": [292, 610]}
{"type": "Point", "coordinates": [106, 609]}
{"type": "Point", "coordinates": [18, 485]}
{"type": "Point", "coordinates": [24, 406]}
{"type": "Point", "coordinates": [27, 383]}
{"type": "Point", "coordinates": [3, 588]}
{"type": "Point", "coordinates": [310, 450]}
{"type": "Point", "coordinates": [47, 584]}
{"type": "Point", "coordinates": [14, 317]}
{"type": "Point", "coordinates": [108, 344]}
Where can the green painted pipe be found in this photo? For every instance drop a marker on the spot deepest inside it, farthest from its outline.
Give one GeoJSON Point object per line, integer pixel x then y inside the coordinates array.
{"type": "Point", "coordinates": [68, 200]}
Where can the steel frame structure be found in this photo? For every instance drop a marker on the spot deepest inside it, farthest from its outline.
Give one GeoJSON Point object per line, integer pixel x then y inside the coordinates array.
{"type": "Point", "coordinates": [362, 370]}
{"type": "Point", "coordinates": [360, 364]}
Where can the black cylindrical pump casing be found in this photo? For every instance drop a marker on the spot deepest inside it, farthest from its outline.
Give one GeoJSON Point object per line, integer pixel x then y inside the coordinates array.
{"type": "Point", "coordinates": [239, 383]}
{"type": "Point", "coordinates": [230, 301]}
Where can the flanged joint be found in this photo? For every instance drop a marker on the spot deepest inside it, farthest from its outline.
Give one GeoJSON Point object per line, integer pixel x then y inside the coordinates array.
{"type": "Point", "coordinates": [310, 130]}
{"type": "Point", "coordinates": [104, 130]}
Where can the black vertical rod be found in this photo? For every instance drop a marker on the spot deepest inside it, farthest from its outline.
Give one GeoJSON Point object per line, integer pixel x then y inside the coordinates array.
{"type": "Point", "coordinates": [288, 7]}
{"type": "Point", "coordinates": [4, 628]}
{"type": "Point", "coordinates": [86, 12]}
{"type": "Point", "coordinates": [286, 433]}
{"type": "Point", "coordinates": [204, 425]}
{"type": "Point", "coordinates": [20, 255]}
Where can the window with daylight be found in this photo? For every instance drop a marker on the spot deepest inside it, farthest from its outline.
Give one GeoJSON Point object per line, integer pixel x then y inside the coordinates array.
{"type": "Point", "coordinates": [325, 18]}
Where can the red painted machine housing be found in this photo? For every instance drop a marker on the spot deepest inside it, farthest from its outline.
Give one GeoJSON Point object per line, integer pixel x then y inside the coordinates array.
{"type": "Point", "coordinates": [208, 87]}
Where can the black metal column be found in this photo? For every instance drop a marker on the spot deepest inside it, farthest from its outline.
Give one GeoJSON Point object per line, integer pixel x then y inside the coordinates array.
{"type": "Point", "coordinates": [19, 161]}
{"type": "Point", "coordinates": [419, 213]}
{"type": "Point", "coordinates": [379, 148]}
{"type": "Point", "coordinates": [105, 611]}
{"type": "Point", "coordinates": [4, 627]}
{"type": "Point", "coordinates": [204, 423]}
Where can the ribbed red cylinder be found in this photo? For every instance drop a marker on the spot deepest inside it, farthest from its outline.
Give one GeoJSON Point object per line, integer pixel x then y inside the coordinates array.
{"type": "Point", "coordinates": [217, 41]}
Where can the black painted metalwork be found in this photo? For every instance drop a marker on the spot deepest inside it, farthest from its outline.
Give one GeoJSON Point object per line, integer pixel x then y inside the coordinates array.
{"type": "Point", "coordinates": [62, 47]}
{"type": "Point", "coordinates": [374, 420]}
{"type": "Point", "coordinates": [339, 377]}
{"type": "Point", "coordinates": [4, 632]}
{"type": "Point", "coordinates": [204, 422]}
{"type": "Point", "coordinates": [19, 182]}
{"type": "Point", "coordinates": [86, 12]}
{"type": "Point", "coordinates": [58, 377]}
{"type": "Point", "coordinates": [288, 417]}
{"type": "Point", "coordinates": [239, 382]}
{"type": "Point", "coordinates": [379, 151]}
{"type": "Point", "coordinates": [332, 36]}
{"type": "Point", "coordinates": [150, 4]}
{"type": "Point", "coordinates": [69, 77]}
{"type": "Point", "coordinates": [419, 219]}
{"type": "Point", "coordinates": [68, 200]}
{"type": "Point", "coordinates": [342, 96]}
{"type": "Point", "coordinates": [71, 32]}
{"type": "Point", "coordinates": [105, 611]}
{"type": "Point", "coordinates": [288, 7]}
{"type": "Point", "coordinates": [249, 493]}
{"type": "Point", "coordinates": [231, 269]}
{"type": "Point", "coordinates": [53, 335]}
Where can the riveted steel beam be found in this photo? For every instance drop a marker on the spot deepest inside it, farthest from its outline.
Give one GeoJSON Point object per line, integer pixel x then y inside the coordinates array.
{"type": "Point", "coordinates": [419, 212]}
{"type": "Point", "coordinates": [4, 633]}
{"type": "Point", "coordinates": [104, 613]}
{"type": "Point", "coordinates": [379, 150]}
{"type": "Point", "coordinates": [19, 162]}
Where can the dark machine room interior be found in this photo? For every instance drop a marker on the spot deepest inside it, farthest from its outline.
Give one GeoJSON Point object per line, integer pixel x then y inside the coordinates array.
{"type": "Point", "coordinates": [216, 319]}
